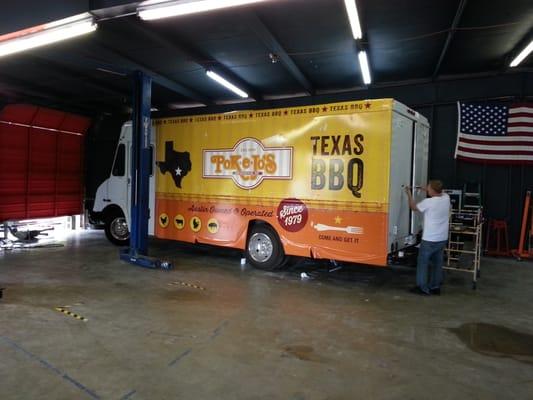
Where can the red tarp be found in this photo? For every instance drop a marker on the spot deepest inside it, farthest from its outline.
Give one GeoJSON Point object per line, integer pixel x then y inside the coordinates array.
{"type": "Point", "coordinates": [41, 162]}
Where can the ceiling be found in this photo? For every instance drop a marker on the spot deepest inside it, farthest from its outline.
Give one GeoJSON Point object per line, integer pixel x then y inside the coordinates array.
{"type": "Point", "coordinates": [276, 49]}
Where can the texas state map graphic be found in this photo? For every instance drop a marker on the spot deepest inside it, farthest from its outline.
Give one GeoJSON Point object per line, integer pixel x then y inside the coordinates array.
{"type": "Point", "coordinates": [176, 163]}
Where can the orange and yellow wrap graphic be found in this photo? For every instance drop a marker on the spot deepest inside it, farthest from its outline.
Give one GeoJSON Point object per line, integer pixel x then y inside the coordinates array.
{"type": "Point", "coordinates": [317, 174]}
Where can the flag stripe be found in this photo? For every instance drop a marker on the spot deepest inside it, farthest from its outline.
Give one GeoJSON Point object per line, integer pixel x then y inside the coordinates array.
{"type": "Point", "coordinates": [502, 143]}
{"type": "Point", "coordinates": [520, 121]}
{"type": "Point", "coordinates": [521, 115]}
{"type": "Point", "coordinates": [496, 162]}
{"type": "Point", "coordinates": [495, 150]}
{"type": "Point", "coordinates": [522, 128]}
{"type": "Point", "coordinates": [525, 138]}
{"type": "Point", "coordinates": [517, 110]}
{"type": "Point", "coordinates": [515, 157]}
{"type": "Point", "coordinates": [520, 134]}
{"type": "Point", "coordinates": [506, 147]}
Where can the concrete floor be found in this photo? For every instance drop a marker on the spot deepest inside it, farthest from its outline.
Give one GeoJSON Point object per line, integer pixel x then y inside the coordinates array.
{"type": "Point", "coordinates": [351, 334]}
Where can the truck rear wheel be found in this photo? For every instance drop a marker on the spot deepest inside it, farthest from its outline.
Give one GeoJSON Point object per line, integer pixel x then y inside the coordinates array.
{"type": "Point", "coordinates": [264, 250]}
{"type": "Point", "coordinates": [116, 230]}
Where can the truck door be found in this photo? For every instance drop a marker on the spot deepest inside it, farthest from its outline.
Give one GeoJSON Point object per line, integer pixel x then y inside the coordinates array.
{"type": "Point", "coordinates": [118, 185]}
{"type": "Point", "coordinates": [401, 174]}
{"type": "Point", "coordinates": [420, 170]}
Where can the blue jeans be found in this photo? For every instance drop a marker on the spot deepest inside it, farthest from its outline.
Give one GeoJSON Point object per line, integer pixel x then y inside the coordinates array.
{"type": "Point", "coordinates": [434, 252]}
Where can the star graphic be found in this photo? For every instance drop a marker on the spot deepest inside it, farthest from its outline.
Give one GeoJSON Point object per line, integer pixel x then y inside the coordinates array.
{"type": "Point", "coordinates": [367, 105]}
{"type": "Point", "coordinates": [178, 171]}
{"type": "Point", "coordinates": [338, 219]}
{"type": "Point", "coordinates": [324, 109]}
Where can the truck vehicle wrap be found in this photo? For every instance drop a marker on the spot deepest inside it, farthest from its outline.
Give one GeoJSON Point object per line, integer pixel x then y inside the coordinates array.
{"type": "Point", "coordinates": [320, 181]}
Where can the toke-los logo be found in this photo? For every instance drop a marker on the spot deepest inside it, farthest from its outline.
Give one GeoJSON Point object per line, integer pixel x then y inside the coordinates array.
{"type": "Point", "coordinates": [248, 163]}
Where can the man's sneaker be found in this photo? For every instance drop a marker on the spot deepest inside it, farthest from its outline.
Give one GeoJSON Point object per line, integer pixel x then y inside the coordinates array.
{"type": "Point", "coordinates": [417, 290]}
{"type": "Point", "coordinates": [435, 291]}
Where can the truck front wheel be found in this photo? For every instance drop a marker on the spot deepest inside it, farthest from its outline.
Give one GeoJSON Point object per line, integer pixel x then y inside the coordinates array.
{"type": "Point", "coordinates": [116, 230]}
{"type": "Point", "coordinates": [264, 250]}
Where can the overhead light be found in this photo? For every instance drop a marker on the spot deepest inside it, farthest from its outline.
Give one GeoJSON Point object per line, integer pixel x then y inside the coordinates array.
{"type": "Point", "coordinates": [149, 10]}
{"type": "Point", "coordinates": [179, 106]}
{"type": "Point", "coordinates": [45, 34]}
{"type": "Point", "coordinates": [365, 69]}
{"type": "Point", "coordinates": [109, 71]}
{"type": "Point", "coordinates": [226, 84]}
{"type": "Point", "coordinates": [353, 16]}
{"type": "Point", "coordinates": [523, 54]}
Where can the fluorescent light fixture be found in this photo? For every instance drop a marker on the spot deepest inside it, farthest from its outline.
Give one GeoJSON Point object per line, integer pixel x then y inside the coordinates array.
{"type": "Point", "coordinates": [353, 16]}
{"type": "Point", "coordinates": [365, 69]}
{"type": "Point", "coordinates": [180, 106]}
{"type": "Point", "coordinates": [523, 54]}
{"type": "Point", "coordinates": [47, 33]}
{"type": "Point", "coordinates": [226, 84]}
{"type": "Point", "coordinates": [149, 10]}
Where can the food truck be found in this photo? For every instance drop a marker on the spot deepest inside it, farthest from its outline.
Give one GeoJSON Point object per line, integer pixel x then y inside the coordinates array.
{"type": "Point", "coordinates": [323, 181]}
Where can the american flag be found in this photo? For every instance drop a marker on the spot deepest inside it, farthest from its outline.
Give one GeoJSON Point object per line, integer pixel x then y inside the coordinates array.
{"type": "Point", "coordinates": [495, 133]}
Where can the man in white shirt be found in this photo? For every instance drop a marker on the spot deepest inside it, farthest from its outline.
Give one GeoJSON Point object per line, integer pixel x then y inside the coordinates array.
{"type": "Point", "coordinates": [436, 210]}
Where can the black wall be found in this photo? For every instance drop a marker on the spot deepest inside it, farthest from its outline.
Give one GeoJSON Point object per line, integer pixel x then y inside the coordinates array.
{"type": "Point", "coordinates": [503, 187]}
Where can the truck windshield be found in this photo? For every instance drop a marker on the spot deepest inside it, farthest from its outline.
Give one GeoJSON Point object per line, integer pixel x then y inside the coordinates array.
{"type": "Point", "coordinates": [120, 161]}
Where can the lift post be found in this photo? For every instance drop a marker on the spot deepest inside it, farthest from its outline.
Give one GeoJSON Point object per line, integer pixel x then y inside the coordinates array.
{"type": "Point", "coordinates": [137, 253]}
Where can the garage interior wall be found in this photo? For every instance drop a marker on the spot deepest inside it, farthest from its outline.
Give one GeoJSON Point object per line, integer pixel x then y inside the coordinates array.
{"type": "Point", "coordinates": [503, 186]}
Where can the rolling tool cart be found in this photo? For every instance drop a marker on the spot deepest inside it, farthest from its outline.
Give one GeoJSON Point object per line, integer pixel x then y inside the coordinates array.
{"type": "Point", "coordinates": [464, 243]}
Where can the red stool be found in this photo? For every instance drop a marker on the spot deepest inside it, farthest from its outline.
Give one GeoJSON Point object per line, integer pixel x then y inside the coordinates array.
{"type": "Point", "coordinates": [498, 229]}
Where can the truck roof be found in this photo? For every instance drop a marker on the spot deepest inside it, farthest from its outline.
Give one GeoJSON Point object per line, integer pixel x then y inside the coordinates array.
{"type": "Point", "coordinates": [355, 106]}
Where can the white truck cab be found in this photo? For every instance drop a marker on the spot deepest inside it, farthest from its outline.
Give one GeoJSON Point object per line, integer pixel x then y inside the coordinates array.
{"type": "Point", "coordinates": [112, 199]}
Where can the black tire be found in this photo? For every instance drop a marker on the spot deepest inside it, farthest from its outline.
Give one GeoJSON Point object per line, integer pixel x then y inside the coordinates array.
{"type": "Point", "coordinates": [114, 230]}
{"type": "Point", "coordinates": [264, 250]}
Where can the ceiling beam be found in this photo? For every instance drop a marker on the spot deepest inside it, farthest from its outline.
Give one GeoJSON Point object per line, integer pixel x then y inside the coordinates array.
{"type": "Point", "coordinates": [46, 99]}
{"type": "Point", "coordinates": [195, 56]}
{"type": "Point", "coordinates": [85, 63]}
{"type": "Point", "coordinates": [449, 37]}
{"type": "Point", "coordinates": [61, 70]}
{"type": "Point", "coordinates": [273, 45]}
{"type": "Point", "coordinates": [125, 61]}
{"type": "Point", "coordinates": [26, 88]}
